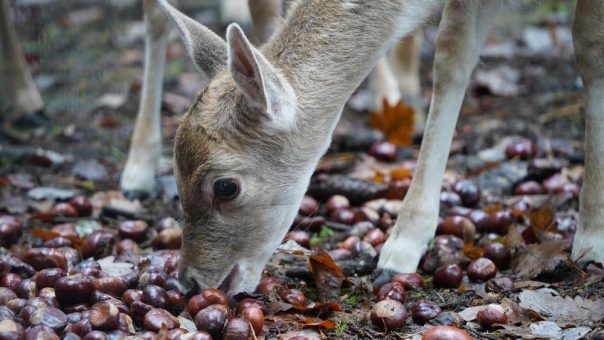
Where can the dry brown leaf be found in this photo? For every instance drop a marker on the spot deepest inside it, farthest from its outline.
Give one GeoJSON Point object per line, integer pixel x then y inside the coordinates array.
{"type": "Point", "coordinates": [318, 323]}
{"type": "Point", "coordinates": [540, 258]}
{"type": "Point", "coordinates": [563, 310]}
{"type": "Point", "coordinates": [396, 122]}
{"type": "Point", "coordinates": [541, 219]}
{"type": "Point", "coordinates": [327, 274]}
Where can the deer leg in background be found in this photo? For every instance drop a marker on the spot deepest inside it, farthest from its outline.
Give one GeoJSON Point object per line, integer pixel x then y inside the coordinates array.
{"type": "Point", "coordinates": [588, 38]}
{"type": "Point", "coordinates": [462, 32]}
{"type": "Point", "coordinates": [16, 83]}
{"type": "Point", "coordinates": [405, 60]}
{"type": "Point", "coordinates": [138, 179]}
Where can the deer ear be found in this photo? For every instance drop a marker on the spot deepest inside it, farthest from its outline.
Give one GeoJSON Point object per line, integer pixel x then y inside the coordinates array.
{"type": "Point", "coordinates": [208, 50]}
{"type": "Point", "coordinates": [264, 89]}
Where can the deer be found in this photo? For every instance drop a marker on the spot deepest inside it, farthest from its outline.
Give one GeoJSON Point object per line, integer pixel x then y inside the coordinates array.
{"type": "Point", "coordinates": [246, 149]}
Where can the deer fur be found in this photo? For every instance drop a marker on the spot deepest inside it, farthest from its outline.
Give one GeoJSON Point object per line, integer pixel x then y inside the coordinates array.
{"type": "Point", "coordinates": [268, 114]}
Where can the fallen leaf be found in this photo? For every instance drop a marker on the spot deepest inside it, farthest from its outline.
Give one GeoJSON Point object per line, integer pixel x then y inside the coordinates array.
{"type": "Point", "coordinates": [115, 268]}
{"type": "Point", "coordinates": [327, 274]}
{"type": "Point", "coordinates": [553, 307]}
{"type": "Point", "coordinates": [542, 218]}
{"type": "Point", "coordinates": [473, 252]}
{"type": "Point", "coordinates": [395, 121]}
{"type": "Point", "coordinates": [540, 258]}
{"type": "Point", "coordinates": [318, 323]}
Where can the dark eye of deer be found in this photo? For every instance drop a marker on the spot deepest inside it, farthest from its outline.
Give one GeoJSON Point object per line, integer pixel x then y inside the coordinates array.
{"type": "Point", "coordinates": [226, 188]}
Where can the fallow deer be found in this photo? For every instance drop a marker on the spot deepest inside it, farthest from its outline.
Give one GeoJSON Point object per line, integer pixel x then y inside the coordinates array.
{"type": "Point", "coordinates": [246, 149]}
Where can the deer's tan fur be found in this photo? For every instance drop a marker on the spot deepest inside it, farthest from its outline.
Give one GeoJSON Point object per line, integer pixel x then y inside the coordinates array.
{"type": "Point", "coordinates": [308, 69]}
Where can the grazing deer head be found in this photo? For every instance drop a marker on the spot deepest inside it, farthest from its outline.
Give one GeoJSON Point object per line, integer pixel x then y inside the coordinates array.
{"type": "Point", "coordinates": [245, 151]}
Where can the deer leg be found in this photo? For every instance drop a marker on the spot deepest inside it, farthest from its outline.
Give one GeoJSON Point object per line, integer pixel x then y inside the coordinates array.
{"type": "Point", "coordinates": [588, 38]}
{"type": "Point", "coordinates": [138, 179]}
{"type": "Point", "coordinates": [265, 17]}
{"type": "Point", "coordinates": [383, 86]}
{"type": "Point", "coordinates": [15, 79]}
{"type": "Point", "coordinates": [405, 59]}
{"type": "Point", "coordinates": [462, 31]}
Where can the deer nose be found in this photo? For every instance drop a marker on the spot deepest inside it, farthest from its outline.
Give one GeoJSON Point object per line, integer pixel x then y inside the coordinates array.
{"type": "Point", "coordinates": [186, 280]}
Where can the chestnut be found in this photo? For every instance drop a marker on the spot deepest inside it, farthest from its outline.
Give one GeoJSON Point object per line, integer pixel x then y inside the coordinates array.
{"type": "Point", "coordinates": [459, 226]}
{"type": "Point", "coordinates": [212, 319]}
{"type": "Point", "coordinates": [424, 311]}
{"type": "Point", "coordinates": [16, 305]}
{"type": "Point", "coordinates": [42, 258]}
{"type": "Point", "coordinates": [499, 222]}
{"type": "Point", "coordinates": [388, 315]}
{"type": "Point", "coordinates": [522, 148]}
{"type": "Point", "coordinates": [126, 246]}
{"type": "Point", "coordinates": [156, 317]}
{"type": "Point", "coordinates": [481, 270]}
{"type": "Point", "coordinates": [73, 289]}
{"type": "Point", "coordinates": [138, 310]}
{"type": "Point", "coordinates": [50, 317]}
{"type": "Point", "coordinates": [131, 295]}
{"type": "Point", "coordinates": [176, 333]}
{"type": "Point", "coordinates": [448, 276]}
{"type": "Point", "coordinates": [299, 236]}
{"type": "Point", "coordinates": [255, 316]}
{"type": "Point", "coordinates": [450, 199]}
{"type": "Point", "coordinates": [529, 188]}
{"type": "Point", "coordinates": [468, 192]}
{"type": "Point", "coordinates": [340, 254]}
{"type": "Point", "coordinates": [349, 242]}
{"type": "Point", "coordinates": [237, 329]}
{"type": "Point", "coordinates": [6, 313]}
{"type": "Point", "coordinates": [294, 297]}
{"type": "Point", "coordinates": [343, 215]}
{"type": "Point", "coordinates": [10, 329]}
{"type": "Point", "coordinates": [267, 284]}
{"type": "Point", "coordinates": [10, 230]}
{"type": "Point", "coordinates": [499, 254]}
{"type": "Point", "coordinates": [41, 332]}
{"type": "Point", "coordinates": [48, 277]}
{"type": "Point", "coordinates": [98, 244]}
{"type": "Point", "coordinates": [104, 316]}
{"type": "Point", "coordinates": [176, 301]}
{"type": "Point", "coordinates": [199, 336]}
{"type": "Point", "coordinates": [375, 237]}
{"type": "Point", "coordinates": [82, 205]}
{"type": "Point", "coordinates": [125, 324]}
{"type": "Point", "coordinates": [490, 316]}
{"type": "Point", "coordinates": [170, 238]}
{"type": "Point", "coordinates": [64, 209]}
{"type": "Point", "coordinates": [383, 150]}
{"type": "Point", "coordinates": [308, 207]}
{"type": "Point", "coordinates": [155, 296]}
{"type": "Point", "coordinates": [6, 295]}
{"type": "Point", "coordinates": [26, 289]}
{"type": "Point", "coordinates": [391, 290]}
{"type": "Point", "coordinates": [249, 302]}
{"type": "Point", "coordinates": [207, 297]}
{"type": "Point", "coordinates": [135, 230]}
{"type": "Point", "coordinates": [96, 335]}
{"type": "Point", "coordinates": [409, 280]}
{"type": "Point", "coordinates": [337, 202]}
{"type": "Point", "coordinates": [446, 333]}
{"type": "Point", "coordinates": [112, 285]}
{"type": "Point", "coordinates": [10, 280]}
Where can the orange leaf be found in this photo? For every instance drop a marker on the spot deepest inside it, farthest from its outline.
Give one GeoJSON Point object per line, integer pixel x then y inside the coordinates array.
{"type": "Point", "coordinates": [327, 274]}
{"type": "Point", "coordinates": [542, 219]}
{"type": "Point", "coordinates": [400, 172]}
{"type": "Point", "coordinates": [473, 252]}
{"type": "Point", "coordinates": [396, 122]}
{"type": "Point", "coordinates": [312, 322]}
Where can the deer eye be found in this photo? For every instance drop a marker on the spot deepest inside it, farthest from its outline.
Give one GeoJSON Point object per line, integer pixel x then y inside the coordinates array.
{"type": "Point", "coordinates": [225, 189]}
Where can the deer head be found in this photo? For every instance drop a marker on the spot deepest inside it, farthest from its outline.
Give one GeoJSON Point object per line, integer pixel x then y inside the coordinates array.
{"type": "Point", "coordinates": [233, 161]}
